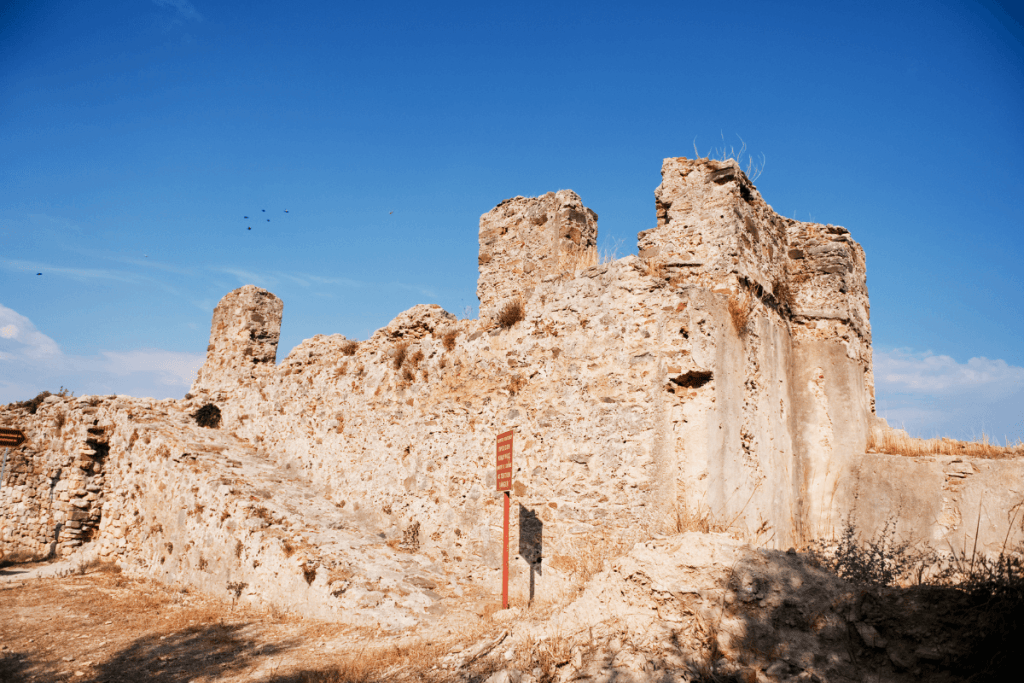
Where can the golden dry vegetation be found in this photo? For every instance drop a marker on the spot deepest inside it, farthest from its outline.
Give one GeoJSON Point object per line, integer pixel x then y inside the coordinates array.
{"type": "Point", "coordinates": [898, 442]}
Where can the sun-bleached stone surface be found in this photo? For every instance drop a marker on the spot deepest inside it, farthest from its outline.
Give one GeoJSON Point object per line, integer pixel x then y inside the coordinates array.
{"type": "Point", "coordinates": [524, 240]}
{"type": "Point", "coordinates": [724, 373]}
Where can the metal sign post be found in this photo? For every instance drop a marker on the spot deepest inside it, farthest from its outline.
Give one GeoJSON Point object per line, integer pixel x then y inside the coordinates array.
{"type": "Point", "coordinates": [504, 481]}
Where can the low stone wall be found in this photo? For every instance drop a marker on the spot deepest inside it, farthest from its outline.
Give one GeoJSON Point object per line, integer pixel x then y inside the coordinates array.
{"type": "Point", "coordinates": [951, 503]}
{"type": "Point", "coordinates": [52, 490]}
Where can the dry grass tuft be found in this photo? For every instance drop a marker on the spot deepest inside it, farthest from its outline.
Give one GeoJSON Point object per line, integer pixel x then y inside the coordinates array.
{"type": "Point", "coordinates": [449, 339]}
{"type": "Point", "coordinates": [782, 293]}
{"type": "Point", "coordinates": [401, 351]}
{"type": "Point", "coordinates": [573, 260]}
{"type": "Point", "coordinates": [349, 347]}
{"type": "Point", "coordinates": [516, 384]}
{"type": "Point", "coordinates": [898, 442]}
{"type": "Point", "coordinates": [586, 556]}
{"type": "Point", "coordinates": [654, 268]}
{"type": "Point", "coordinates": [511, 313]}
{"type": "Point", "coordinates": [739, 311]}
{"type": "Point", "coordinates": [699, 518]}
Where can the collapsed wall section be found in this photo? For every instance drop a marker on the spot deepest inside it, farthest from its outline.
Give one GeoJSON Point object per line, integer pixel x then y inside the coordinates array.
{"type": "Point", "coordinates": [526, 239]}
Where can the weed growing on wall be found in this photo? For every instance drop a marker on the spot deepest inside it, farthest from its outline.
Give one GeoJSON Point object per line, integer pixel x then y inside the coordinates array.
{"type": "Point", "coordinates": [511, 313]}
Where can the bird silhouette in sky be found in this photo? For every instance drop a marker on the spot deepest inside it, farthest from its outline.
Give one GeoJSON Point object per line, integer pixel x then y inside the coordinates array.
{"type": "Point", "coordinates": [38, 273]}
{"type": "Point", "coordinates": [286, 210]}
{"type": "Point", "coordinates": [263, 210]}
{"type": "Point", "coordinates": [246, 217]}
{"type": "Point", "coordinates": [268, 220]}
{"type": "Point", "coordinates": [390, 212]}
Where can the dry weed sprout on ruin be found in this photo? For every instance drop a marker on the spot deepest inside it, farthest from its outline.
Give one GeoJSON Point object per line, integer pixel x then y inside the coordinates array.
{"type": "Point", "coordinates": [401, 351]}
{"type": "Point", "coordinates": [898, 442]}
{"type": "Point", "coordinates": [448, 339]}
{"type": "Point", "coordinates": [512, 312]}
{"type": "Point", "coordinates": [739, 310]}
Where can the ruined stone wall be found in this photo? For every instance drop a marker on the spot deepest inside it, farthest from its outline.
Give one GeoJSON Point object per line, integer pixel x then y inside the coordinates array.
{"type": "Point", "coordinates": [526, 239]}
{"type": "Point", "coordinates": [724, 374]}
{"type": "Point", "coordinates": [53, 485]}
{"type": "Point", "coordinates": [243, 339]}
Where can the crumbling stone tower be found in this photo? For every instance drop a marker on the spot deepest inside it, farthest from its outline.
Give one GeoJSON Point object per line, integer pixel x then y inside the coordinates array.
{"type": "Point", "coordinates": [243, 340]}
{"type": "Point", "coordinates": [526, 239]}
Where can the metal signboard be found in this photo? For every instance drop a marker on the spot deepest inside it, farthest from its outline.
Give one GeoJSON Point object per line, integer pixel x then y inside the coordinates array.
{"type": "Point", "coordinates": [11, 438]}
{"type": "Point", "coordinates": [504, 483]}
{"type": "Point", "coordinates": [504, 463]}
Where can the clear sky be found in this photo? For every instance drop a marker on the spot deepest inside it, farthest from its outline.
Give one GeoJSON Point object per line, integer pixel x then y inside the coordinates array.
{"type": "Point", "coordinates": [136, 135]}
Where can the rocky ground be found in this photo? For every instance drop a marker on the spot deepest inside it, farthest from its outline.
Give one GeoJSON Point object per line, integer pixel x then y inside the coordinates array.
{"type": "Point", "coordinates": [687, 607]}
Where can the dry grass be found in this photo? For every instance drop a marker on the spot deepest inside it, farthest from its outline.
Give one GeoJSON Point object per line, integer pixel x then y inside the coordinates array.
{"type": "Point", "coordinates": [449, 339]}
{"type": "Point", "coordinates": [586, 556]}
{"type": "Point", "coordinates": [739, 311]}
{"type": "Point", "coordinates": [573, 260]}
{"type": "Point", "coordinates": [401, 351]}
{"type": "Point", "coordinates": [699, 518]}
{"type": "Point", "coordinates": [898, 442]}
{"type": "Point", "coordinates": [511, 313]}
{"type": "Point", "coordinates": [349, 347]}
{"type": "Point", "coordinates": [516, 384]}
{"type": "Point", "coordinates": [654, 269]}
{"type": "Point", "coordinates": [782, 293]}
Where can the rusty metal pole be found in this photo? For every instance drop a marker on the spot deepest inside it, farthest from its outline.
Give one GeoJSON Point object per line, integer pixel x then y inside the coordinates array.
{"type": "Point", "coordinates": [504, 555]}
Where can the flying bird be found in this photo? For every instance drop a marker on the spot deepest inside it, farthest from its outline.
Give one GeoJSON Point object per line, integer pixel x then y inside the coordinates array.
{"type": "Point", "coordinates": [250, 227]}
{"type": "Point", "coordinates": [390, 212]}
{"type": "Point", "coordinates": [245, 217]}
{"type": "Point", "coordinates": [263, 210]}
{"type": "Point", "coordinates": [286, 210]}
{"type": "Point", "coordinates": [38, 273]}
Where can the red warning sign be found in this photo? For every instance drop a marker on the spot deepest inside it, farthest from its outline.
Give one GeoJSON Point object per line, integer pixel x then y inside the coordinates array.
{"type": "Point", "coordinates": [504, 463]}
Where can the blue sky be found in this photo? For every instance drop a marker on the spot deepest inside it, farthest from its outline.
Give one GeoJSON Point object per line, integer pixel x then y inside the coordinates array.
{"type": "Point", "coordinates": [135, 135]}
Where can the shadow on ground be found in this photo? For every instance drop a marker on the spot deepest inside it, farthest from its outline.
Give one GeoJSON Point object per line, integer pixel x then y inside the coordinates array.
{"type": "Point", "coordinates": [211, 651]}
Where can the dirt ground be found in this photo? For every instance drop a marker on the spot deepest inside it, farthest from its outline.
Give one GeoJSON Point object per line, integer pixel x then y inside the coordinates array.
{"type": "Point", "coordinates": [105, 627]}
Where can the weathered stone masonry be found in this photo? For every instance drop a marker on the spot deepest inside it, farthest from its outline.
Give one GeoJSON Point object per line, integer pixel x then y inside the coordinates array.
{"type": "Point", "coordinates": [726, 368]}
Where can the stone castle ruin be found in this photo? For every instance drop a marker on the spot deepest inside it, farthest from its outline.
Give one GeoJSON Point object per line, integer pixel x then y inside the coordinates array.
{"type": "Point", "coordinates": [725, 372]}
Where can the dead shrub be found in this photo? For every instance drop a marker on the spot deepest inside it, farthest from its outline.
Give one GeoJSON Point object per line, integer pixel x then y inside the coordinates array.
{"type": "Point", "coordinates": [511, 313]}
{"type": "Point", "coordinates": [401, 351]}
{"type": "Point", "coordinates": [349, 347]}
{"type": "Point", "coordinates": [739, 311]}
{"type": "Point", "coordinates": [309, 573]}
{"type": "Point", "coordinates": [288, 548]}
{"type": "Point", "coordinates": [449, 340]}
{"type": "Point", "coordinates": [59, 420]}
{"type": "Point", "coordinates": [782, 293]}
{"type": "Point", "coordinates": [898, 442]}
{"type": "Point", "coordinates": [208, 416]}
